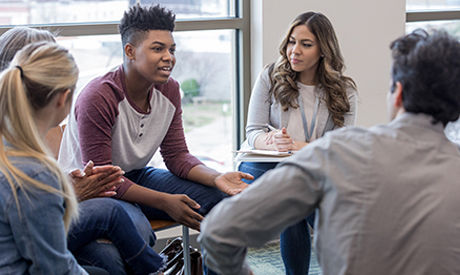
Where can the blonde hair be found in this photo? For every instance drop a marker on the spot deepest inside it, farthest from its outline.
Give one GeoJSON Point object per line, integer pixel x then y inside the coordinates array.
{"type": "Point", "coordinates": [37, 73]}
{"type": "Point", "coordinates": [329, 73]}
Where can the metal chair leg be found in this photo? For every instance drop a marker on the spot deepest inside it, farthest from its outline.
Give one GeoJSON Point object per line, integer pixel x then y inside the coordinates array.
{"type": "Point", "coordinates": [186, 244]}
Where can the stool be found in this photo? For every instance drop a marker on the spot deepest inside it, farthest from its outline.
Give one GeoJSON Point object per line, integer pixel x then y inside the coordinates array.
{"type": "Point", "coordinates": [158, 225]}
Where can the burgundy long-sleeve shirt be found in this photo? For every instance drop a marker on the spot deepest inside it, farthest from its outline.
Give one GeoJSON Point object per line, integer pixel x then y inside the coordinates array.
{"type": "Point", "coordinates": [107, 128]}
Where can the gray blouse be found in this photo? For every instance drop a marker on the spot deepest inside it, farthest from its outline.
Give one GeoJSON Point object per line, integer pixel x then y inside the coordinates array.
{"type": "Point", "coordinates": [264, 110]}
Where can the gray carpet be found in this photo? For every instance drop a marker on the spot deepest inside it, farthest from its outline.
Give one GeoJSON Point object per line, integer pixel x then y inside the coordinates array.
{"type": "Point", "coordinates": [263, 261]}
{"type": "Point", "coordinates": [267, 261]}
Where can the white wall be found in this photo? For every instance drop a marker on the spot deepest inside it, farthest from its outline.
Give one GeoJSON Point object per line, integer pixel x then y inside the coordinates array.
{"type": "Point", "coordinates": [364, 28]}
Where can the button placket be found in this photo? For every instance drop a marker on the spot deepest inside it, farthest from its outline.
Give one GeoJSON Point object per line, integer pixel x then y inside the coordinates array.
{"type": "Point", "coordinates": [141, 126]}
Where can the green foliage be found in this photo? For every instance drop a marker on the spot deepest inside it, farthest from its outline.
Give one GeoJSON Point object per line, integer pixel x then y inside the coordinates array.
{"type": "Point", "coordinates": [191, 88]}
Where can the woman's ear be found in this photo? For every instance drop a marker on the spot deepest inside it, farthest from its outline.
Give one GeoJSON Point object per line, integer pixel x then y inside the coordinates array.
{"type": "Point", "coordinates": [63, 98]}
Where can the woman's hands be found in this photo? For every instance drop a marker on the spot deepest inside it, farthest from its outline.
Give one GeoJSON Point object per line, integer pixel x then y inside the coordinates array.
{"type": "Point", "coordinates": [96, 181]}
{"type": "Point", "coordinates": [281, 141]}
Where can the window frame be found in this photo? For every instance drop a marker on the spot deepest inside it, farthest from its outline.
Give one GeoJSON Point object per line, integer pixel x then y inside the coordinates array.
{"type": "Point", "coordinates": [438, 15]}
{"type": "Point", "coordinates": [240, 23]}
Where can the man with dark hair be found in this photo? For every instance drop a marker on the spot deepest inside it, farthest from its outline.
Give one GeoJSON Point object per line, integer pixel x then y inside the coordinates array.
{"type": "Point", "coordinates": [123, 117]}
{"type": "Point", "coordinates": [386, 198]}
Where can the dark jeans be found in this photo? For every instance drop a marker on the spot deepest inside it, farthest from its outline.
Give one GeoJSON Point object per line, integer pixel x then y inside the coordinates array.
{"type": "Point", "coordinates": [106, 255]}
{"type": "Point", "coordinates": [295, 241]}
{"type": "Point", "coordinates": [127, 229]}
{"type": "Point", "coordinates": [164, 181]}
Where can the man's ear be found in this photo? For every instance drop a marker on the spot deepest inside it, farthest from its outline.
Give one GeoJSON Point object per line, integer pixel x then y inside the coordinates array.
{"type": "Point", "coordinates": [130, 51]}
{"type": "Point", "coordinates": [63, 98]}
{"type": "Point", "coordinates": [398, 95]}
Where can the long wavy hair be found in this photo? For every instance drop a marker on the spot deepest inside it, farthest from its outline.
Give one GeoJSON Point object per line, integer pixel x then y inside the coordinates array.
{"type": "Point", "coordinates": [37, 73]}
{"type": "Point", "coordinates": [329, 74]}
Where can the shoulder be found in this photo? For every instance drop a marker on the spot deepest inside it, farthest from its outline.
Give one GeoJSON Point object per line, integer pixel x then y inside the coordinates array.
{"type": "Point", "coordinates": [346, 139]}
{"type": "Point", "coordinates": [104, 92]}
{"type": "Point", "coordinates": [38, 171]}
{"type": "Point", "coordinates": [262, 84]}
{"type": "Point", "coordinates": [171, 90]}
{"type": "Point", "coordinates": [170, 87]}
{"type": "Point", "coordinates": [264, 75]}
{"type": "Point", "coordinates": [30, 166]}
{"type": "Point", "coordinates": [33, 169]}
{"type": "Point", "coordinates": [351, 92]}
{"type": "Point", "coordinates": [106, 88]}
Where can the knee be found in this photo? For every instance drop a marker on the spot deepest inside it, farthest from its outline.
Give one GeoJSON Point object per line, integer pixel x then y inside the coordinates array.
{"type": "Point", "coordinates": [213, 198]}
{"type": "Point", "coordinates": [98, 205]}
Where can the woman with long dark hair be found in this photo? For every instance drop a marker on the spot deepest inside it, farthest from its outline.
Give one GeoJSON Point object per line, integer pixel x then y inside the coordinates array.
{"type": "Point", "coordinates": [296, 100]}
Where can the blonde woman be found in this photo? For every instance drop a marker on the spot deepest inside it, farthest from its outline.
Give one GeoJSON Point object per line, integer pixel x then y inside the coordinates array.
{"type": "Point", "coordinates": [37, 202]}
{"type": "Point", "coordinates": [296, 100]}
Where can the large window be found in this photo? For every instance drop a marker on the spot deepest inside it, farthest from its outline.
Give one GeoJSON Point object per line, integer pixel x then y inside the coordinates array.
{"type": "Point", "coordinates": [432, 5]}
{"type": "Point", "coordinates": [211, 36]}
{"type": "Point", "coordinates": [206, 70]}
{"type": "Point", "coordinates": [26, 12]}
{"type": "Point", "coordinates": [436, 14]}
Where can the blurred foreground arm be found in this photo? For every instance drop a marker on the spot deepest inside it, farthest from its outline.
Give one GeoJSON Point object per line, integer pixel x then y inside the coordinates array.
{"type": "Point", "coordinates": [280, 198]}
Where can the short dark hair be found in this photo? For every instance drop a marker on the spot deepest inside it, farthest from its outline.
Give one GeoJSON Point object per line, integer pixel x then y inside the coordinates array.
{"type": "Point", "coordinates": [139, 19]}
{"type": "Point", "coordinates": [428, 67]}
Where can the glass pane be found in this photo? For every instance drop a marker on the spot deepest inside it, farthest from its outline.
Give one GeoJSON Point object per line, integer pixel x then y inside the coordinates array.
{"type": "Point", "coordinates": [453, 27]}
{"type": "Point", "coordinates": [95, 55]}
{"type": "Point", "coordinates": [420, 5]}
{"type": "Point", "coordinates": [27, 12]}
{"type": "Point", "coordinates": [205, 68]}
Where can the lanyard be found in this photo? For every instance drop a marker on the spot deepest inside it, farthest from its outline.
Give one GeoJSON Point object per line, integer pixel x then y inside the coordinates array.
{"type": "Point", "coordinates": [308, 134]}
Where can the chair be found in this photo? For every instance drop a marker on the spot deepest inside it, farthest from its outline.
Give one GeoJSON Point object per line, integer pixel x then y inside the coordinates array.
{"type": "Point", "coordinates": [158, 225]}
{"type": "Point", "coordinates": [53, 141]}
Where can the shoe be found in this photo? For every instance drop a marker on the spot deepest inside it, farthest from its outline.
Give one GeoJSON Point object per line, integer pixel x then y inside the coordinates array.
{"type": "Point", "coordinates": [179, 256]}
{"type": "Point", "coordinates": [172, 249]}
{"type": "Point", "coordinates": [176, 269]}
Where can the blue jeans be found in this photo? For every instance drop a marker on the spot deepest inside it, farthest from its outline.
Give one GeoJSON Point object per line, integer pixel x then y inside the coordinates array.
{"type": "Point", "coordinates": [164, 181]}
{"type": "Point", "coordinates": [127, 229]}
{"type": "Point", "coordinates": [295, 241]}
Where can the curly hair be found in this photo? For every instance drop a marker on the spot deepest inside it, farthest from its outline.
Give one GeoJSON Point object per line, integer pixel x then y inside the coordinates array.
{"type": "Point", "coordinates": [329, 73]}
{"type": "Point", "coordinates": [428, 68]}
{"type": "Point", "coordinates": [140, 19]}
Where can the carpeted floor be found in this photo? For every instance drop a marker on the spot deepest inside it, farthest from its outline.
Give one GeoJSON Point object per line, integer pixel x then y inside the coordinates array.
{"type": "Point", "coordinates": [267, 261]}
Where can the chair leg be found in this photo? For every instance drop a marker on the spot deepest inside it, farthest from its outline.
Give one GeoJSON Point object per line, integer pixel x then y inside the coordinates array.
{"type": "Point", "coordinates": [186, 244]}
